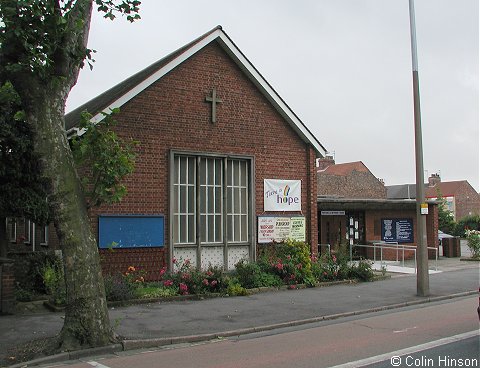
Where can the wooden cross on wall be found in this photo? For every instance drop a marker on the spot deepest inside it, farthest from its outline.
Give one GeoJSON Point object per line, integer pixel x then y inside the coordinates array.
{"type": "Point", "coordinates": [214, 100]}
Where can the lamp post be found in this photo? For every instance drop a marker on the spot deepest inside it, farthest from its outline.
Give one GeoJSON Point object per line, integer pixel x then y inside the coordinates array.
{"type": "Point", "coordinates": [422, 251]}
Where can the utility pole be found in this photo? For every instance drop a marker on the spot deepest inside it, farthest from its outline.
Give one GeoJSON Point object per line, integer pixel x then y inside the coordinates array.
{"type": "Point", "coordinates": [423, 288]}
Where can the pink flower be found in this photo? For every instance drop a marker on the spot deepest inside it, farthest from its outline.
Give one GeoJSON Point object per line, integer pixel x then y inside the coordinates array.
{"type": "Point", "coordinates": [279, 266]}
{"type": "Point", "coordinates": [205, 282]}
{"type": "Point", "coordinates": [187, 262]}
{"type": "Point", "coordinates": [162, 271]}
{"type": "Point", "coordinates": [183, 288]}
{"type": "Point", "coordinates": [289, 257]}
{"type": "Point", "coordinates": [214, 283]}
{"type": "Point", "coordinates": [209, 273]}
{"type": "Point", "coordinates": [299, 266]}
{"type": "Point", "coordinates": [167, 283]}
{"type": "Point", "coordinates": [186, 276]}
{"type": "Point", "coordinates": [291, 287]}
{"type": "Point", "coordinates": [334, 259]}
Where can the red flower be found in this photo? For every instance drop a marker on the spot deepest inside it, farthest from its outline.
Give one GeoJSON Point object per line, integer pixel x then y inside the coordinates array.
{"type": "Point", "coordinates": [205, 282]}
{"type": "Point", "coordinates": [167, 283]}
{"type": "Point", "coordinates": [183, 288]}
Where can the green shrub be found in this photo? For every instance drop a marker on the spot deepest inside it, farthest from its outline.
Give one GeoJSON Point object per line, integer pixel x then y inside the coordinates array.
{"type": "Point", "coordinates": [23, 295]}
{"type": "Point", "coordinates": [362, 271]}
{"type": "Point", "coordinates": [28, 270]}
{"type": "Point", "coordinates": [290, 261]}
{"type": "Point", "coordinates": [250, 275]}
{"type": "Point", "coordinates": [471, 222]}
{"type": "Point", "coordinates": [118, 288]}
{"type": "Point", "coordinates": [54, 281]}
{"type": "Point", "coordinates": [473, 239]}
{"type": "Point", "coordinates": [235, 289]}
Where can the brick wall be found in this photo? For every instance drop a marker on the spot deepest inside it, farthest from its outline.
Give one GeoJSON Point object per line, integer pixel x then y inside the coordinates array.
{"type": "Point", "coordinates": [172, 114]}
{"type": "Point", "coordinates": [467, 201]}
{"type": "Point", "coordinates": [7, 287]}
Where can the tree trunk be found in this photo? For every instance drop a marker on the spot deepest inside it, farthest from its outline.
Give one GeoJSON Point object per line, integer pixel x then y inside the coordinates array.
{"type": "Point", "coordinates": [86, 316]}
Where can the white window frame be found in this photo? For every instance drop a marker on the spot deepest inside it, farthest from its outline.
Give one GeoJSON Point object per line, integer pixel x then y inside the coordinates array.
{"type": "Point", "coordinates": [249, 211]}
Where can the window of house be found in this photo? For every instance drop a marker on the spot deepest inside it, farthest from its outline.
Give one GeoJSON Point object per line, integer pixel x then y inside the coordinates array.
{"type": "Point", "coordinates": [217, 180]}
{"type": "Point", "coordinates": [44, 235]}
{"type": "Point", "coordinates": [12, 229]}
{"type": "Point", "coordinates": [27, 231]}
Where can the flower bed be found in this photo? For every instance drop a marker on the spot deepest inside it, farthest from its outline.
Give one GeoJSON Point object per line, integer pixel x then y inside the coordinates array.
{"type": "Point", "coordinates": [286, 265]}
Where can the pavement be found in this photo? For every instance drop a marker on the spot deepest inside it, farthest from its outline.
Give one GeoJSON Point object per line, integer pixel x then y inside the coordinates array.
{"type": "Point", "coordinates": [170, 322]}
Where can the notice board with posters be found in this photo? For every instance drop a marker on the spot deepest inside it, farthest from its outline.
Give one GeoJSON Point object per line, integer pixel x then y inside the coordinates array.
{"type": "Point", "coordinates": [279, 228]}
{"type": "Point", "coordinates": [131, 231]}
{"type": "Point", "coordinates": [397, 230]}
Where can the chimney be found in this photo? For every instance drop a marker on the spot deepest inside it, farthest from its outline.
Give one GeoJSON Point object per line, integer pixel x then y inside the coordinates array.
{"type": "Point", "coordinates": [434, 179]}
{"type": "Point", "coordinates": [323, 163]}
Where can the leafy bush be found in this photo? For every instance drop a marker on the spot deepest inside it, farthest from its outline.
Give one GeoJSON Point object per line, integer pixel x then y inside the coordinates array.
{"type": "Point", "coordinates": [235, 289]}
{"type": "Point", "coordinates": [188, 280]}
{"type": "Point", "coordinates": [250, 275]}
{"type": "Point", "coordinates": [290, 261]}
{"type": "Point", "coordinates": [28, 269]}
{"type": "Point", "coordinates": [362, 271]}
{"type": "Point", "coordinates": [117, 288]}
{"type": "Point", "coordinates": [471, 222]}
{"type": "Point", "coordinates": [473, 239]}
{"type": "Point", "coordinates": [54, 281]}
{"type": "Point", "coordinates": [23, 295]}
{"type": "Point", "coordinates": [332, 266]}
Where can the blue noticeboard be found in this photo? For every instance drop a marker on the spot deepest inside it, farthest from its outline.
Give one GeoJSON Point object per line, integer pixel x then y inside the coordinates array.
{"type": "Point", "coordinates": [131, 231]}
{"type": "Point", "coordinates": [397, 230]}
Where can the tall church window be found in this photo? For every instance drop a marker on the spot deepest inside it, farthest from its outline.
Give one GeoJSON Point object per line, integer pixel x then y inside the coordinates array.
{"type": "Point", "coordinates": [221, 211]}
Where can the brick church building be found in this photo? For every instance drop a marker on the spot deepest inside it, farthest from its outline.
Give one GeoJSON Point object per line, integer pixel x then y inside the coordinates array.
{"type": "Point", "coordinates": [223, 164]}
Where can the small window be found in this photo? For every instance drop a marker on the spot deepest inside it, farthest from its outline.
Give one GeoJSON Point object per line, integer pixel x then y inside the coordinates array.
{"type": "Point", "coordinates": [12, 229]}
{"type": "Point", "coordinates": [27, 230]}
{"type": "Point", "coordinates": [44, 235]}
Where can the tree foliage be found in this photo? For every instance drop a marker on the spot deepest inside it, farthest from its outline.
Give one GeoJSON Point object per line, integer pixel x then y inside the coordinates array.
{"type": "Point", "coordinates": [105, 157]}
{"type": "Point", "coordinates": [22, 191]}
{"type": "Point", "coordinates": [446, 223]}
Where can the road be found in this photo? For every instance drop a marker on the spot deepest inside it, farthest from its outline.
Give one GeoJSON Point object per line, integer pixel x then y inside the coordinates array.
{"type": "Point", "coordinates": [349, 342]}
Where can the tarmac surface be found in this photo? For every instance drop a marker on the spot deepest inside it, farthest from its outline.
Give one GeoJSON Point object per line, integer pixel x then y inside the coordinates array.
{"type": "Point", "coordinates": [163, 323]}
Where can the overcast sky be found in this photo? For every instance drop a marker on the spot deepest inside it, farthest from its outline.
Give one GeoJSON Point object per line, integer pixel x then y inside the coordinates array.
{"type": "Point", "coordinates": [343, 66]}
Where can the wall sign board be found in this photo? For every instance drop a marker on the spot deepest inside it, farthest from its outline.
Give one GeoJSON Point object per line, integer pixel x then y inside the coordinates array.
{"type": "Point", "coordinates": [278, 229]}
{"type": "Point", "coordinates": [131, 231]}
{"type": "Point", "coordinates": [397, 230]}
{"type": "Point", "coordinates": [282, 195]}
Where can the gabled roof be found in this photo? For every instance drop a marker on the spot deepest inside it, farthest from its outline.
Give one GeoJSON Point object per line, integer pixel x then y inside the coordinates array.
{"type": "Point", "coordinates": [446, 189]}
{"type": "Point", "coordinates": [129, 88]}
{"type": "Point", "coordinates": [345, 168]}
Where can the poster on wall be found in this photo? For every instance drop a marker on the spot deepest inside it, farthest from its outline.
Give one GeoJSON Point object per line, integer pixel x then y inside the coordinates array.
{"type": "Point", "coordinates": [282, 195]}
{"type": "Point", "coordinates": [397, 230]}
{"type": "Point", "coordinates": [277, 229]}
